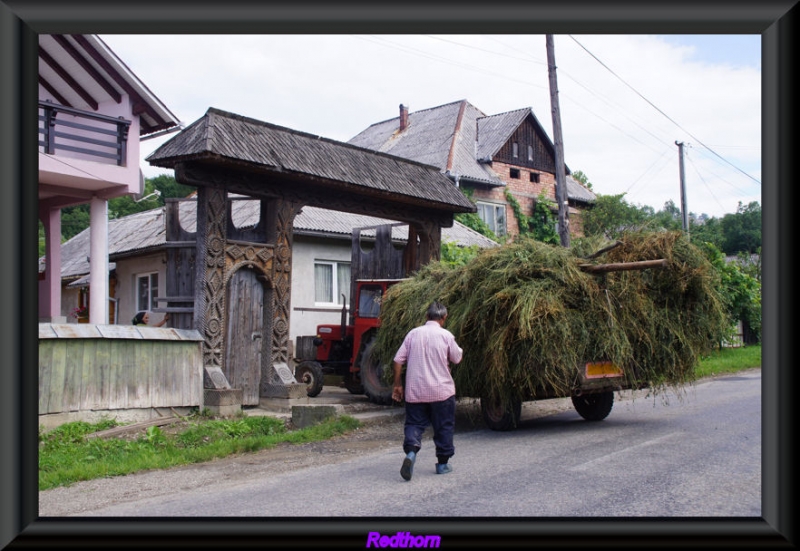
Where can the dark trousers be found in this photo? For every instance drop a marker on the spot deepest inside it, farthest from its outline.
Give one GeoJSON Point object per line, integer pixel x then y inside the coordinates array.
{"type": "Point", "coordinates": [441, 416]}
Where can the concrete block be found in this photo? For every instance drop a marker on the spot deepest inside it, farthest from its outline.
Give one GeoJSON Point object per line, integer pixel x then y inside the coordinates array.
{"type": "Point", "coordinates": [223, 402]}
{"type": "Point", "coordinates": [307, 415]}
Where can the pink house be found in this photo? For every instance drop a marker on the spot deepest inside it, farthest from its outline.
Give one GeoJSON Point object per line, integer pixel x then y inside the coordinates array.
{"type": "Point", "coordinates": [93, 114]}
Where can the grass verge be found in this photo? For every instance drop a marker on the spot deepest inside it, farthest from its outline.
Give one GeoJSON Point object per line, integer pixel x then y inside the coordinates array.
{"type": "Point", "coordinates": [729, 360]}
{"type": "Point", "coordinates": [67, 456]}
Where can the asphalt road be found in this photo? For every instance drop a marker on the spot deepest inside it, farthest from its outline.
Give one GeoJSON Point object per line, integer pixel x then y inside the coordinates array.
{"type": "Point", "coordinates": [694, 454]}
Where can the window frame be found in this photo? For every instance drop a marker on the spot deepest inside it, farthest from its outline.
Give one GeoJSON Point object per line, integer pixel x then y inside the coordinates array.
{"type": "Point", "coordinates": [151, 297]}
{"type": "Point", "coordinates": [334, 283]}
{"type": "Point", "coordinates": [496, 208]}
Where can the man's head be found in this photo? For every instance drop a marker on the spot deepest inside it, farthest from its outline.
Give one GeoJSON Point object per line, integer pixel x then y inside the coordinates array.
{"type": "Point", "coordinates": [437, 311]}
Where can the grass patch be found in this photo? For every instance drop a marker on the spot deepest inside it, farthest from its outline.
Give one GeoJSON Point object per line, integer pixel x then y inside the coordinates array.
{"type": "Point", "coordinates": [67, 456]}
{"type": "Point", "coordinates": [729, 360]}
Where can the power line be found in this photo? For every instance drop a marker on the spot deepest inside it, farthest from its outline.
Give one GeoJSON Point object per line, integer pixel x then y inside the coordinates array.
{"type": "Point", "coordinates": [659, 110]}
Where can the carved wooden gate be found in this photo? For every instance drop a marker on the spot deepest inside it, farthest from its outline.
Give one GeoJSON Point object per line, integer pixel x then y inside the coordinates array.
{"type": "Point", "coordinates": [229, 295]}
{"type": "Point", "coordinates": [246, 307]}
{"type": "Point", "coordinates": [223, 153]}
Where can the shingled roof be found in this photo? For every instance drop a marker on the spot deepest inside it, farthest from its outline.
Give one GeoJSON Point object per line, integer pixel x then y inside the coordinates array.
{"type": "Point", "coordinates": [458, 138]}
{"type": "Point", "coordinates": [145, 232]}
{"type": "Point", "coordinates": [220, 136]}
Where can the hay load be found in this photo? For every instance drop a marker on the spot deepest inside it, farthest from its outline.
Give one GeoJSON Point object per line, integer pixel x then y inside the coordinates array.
{"type": "Point", "coordinates": [529, 315]}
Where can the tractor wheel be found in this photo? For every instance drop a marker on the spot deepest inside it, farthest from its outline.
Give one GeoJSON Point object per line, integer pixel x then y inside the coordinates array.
{"type": "Point", "coordinates": [309, 373]}
{"type": "Point", "coordinates": [499, 416]}
{"type": "Point", "coordinates": [372, 376]}
{"type": "Point", "coordinates": [594, 407]}
{"type": "Point", "coordinates": [352, 382]}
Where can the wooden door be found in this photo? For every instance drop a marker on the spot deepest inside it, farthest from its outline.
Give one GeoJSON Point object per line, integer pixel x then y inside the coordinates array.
{"type": "Point", "coordinates": [244, 339]}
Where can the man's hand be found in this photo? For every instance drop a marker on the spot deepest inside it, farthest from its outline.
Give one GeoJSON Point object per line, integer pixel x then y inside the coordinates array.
{"type": "Point", "coordinates": [397, 393]}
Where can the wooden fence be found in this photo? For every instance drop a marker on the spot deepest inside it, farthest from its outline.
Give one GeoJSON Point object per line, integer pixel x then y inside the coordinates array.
{"type": "Point", "coordinates": [85, 367]}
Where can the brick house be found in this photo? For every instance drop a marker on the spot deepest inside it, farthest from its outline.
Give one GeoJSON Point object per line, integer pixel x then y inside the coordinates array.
{"type": "Point", "coordinates": [486, 154]}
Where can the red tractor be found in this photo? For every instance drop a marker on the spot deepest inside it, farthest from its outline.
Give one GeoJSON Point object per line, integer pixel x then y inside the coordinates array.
{"type": "Point", "coordinates": [346, 349]}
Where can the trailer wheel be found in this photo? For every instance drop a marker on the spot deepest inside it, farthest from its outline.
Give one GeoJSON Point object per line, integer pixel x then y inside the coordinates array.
{"type": "Point", "coordinates": [499, 416]}
{"type": "Point", "coordinates": [352, 382]}
{"type": "Point", "coordinates": [372, 373]}
{"type": "Point", "coordinates": [594, 407]}
{"type": "Point", "coordinates": [309, 373]}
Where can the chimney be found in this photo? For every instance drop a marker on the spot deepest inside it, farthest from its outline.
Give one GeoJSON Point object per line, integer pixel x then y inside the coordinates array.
{"type": "Point", "coordinates": [403, 117]}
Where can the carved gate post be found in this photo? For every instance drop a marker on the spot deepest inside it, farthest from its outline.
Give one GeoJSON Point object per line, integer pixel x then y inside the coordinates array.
{"type": "Point", "coordinates": [277, 379]}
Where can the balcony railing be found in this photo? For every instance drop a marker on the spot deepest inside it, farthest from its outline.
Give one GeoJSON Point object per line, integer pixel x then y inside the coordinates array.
{"type": "Point", "coordinates": [64, 128]}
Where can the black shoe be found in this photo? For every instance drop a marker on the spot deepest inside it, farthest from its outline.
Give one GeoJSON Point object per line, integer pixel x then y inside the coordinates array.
{"type": "Point", "coordinates": [408, 465]}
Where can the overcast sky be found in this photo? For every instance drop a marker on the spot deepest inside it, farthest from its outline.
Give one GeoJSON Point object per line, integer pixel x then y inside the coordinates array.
{"type": "Point", "coordinates": [624, 99]}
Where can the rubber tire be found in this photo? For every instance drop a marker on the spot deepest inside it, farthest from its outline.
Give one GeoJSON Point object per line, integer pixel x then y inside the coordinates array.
{"type": "Point", "coordinates": [353, 384]}
{"type": "Point", "coordinates": [309, 373]}
{"type": "Point", "coordinates": [594, 407]}
{"type": "Point", "coordinates": [372, 371]}
{"type": "Point", "coordinates": [501, 418]}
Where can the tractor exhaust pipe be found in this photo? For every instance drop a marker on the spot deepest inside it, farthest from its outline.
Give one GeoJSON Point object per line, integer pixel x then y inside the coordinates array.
{"type": "Point", "coordinates": [344, 317]}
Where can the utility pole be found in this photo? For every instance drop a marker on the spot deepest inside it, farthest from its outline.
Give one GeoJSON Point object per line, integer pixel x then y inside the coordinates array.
{"type": "Point", "coordinates": [561, 176]}
{"type": "Point", "coordinates": [684, 211]}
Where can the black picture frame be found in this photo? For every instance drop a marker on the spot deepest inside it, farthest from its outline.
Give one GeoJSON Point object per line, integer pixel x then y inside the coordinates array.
{"type": "Point", "coordinates": [22, 21]}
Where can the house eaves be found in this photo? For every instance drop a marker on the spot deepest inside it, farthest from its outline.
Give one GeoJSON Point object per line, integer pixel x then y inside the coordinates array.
{"type": "Point", "coordinates": [81, 71]}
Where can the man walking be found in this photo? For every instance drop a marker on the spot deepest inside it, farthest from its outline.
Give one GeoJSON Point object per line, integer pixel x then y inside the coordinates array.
{"type": "Point", "coordinates": [430, 393]}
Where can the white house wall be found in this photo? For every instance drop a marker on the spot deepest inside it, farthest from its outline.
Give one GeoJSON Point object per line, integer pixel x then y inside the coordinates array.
{"type": "Point", "coordinates": [127, 270]}
{"type": "Point", "coordinates": [305, 314]}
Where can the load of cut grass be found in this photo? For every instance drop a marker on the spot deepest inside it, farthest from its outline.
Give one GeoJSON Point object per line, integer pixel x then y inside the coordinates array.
{"type": "Point", "coordinates": [528, 315]}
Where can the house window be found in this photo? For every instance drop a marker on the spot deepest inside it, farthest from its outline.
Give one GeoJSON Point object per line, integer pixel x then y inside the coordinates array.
{"type": "Point", "coordinates": [515, 150]}
{"type": "Point", "coordinates": [535, 177]}
{"type": "Point", "coordinates": [530, 153]}
{"type": "Point", "coordinates": [331, 281]}
{"type": "Point", "coordinates": [514, 173]}
{"type": "Point", "coordinates": [146, 291]}
{"type": "Point", "coordinates": [494, 216]}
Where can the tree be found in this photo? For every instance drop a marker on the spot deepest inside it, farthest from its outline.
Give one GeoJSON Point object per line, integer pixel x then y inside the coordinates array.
{"type": "Point", "coordinates": [740, 291]}
{"type": "Point", "coordinates": [611, 216]}
{"type": "Point", "coordinates": [76, 219]}
{"type": "Point", "coordinates": [73, 221]}
{"type": "Point", "coordinates": [582, 178]}
{"type": "Point", "coordinates": [742, 231]}
{"type": "Point", "coordinates": [669, 217]}
{"type": "Point", "coordinates": [709, 231]}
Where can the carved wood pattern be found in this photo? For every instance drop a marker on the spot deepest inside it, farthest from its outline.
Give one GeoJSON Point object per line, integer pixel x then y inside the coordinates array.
{"type": "Point", "coordinates": [213, 317]}
{"type": "Point", "coordinates": [282, 279]}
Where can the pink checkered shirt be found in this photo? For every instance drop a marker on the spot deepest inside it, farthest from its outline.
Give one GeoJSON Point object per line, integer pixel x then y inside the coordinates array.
{"type": "Point", "coordinates": [427, 352]}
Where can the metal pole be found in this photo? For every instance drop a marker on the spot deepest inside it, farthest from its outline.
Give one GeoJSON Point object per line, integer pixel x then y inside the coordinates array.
{"type": "Point", "coordinates": [558, 142]}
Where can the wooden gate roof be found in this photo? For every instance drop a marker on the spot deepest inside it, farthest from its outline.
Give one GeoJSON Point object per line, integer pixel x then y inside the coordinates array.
{"type": "Point", "coordinates": [284, 155]}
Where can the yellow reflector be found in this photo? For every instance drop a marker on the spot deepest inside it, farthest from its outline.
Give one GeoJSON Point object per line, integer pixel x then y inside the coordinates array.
{"type": "Point", "coordinates": [602, 369]}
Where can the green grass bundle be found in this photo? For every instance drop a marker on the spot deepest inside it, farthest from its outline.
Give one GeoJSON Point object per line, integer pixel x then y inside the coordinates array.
{"type": "Point", "coordinates": [528, 316]}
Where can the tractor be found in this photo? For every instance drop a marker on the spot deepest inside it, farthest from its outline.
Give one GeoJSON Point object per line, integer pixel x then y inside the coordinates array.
{"type": "Point", "coordinates": [346, 349]}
